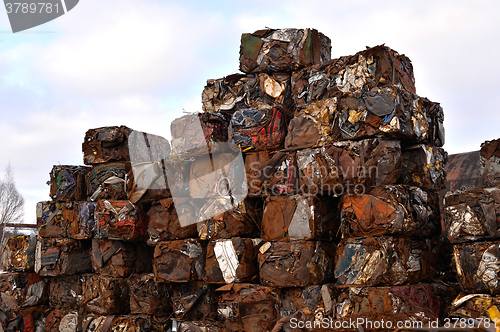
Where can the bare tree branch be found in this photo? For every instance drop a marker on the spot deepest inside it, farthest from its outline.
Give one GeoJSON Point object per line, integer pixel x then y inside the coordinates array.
{"type": "Point", "coordinates": [11, 201]}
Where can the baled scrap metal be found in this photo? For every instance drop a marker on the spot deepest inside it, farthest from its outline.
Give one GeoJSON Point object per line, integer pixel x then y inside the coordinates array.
{"type": "Point", "coordinates": [312, 125]}
{"type": "Point", "coordinates": [54, 257]}
{"type": "Point", "coordinates": [109, 181]}
{"type": "Point", "coordinates": [295, 263]}
{"type": "Point", "coordinates": [192, 300]}
{"type": "Point", "coordinates": [66, 219]}
{"type": "Point", "coordinates": [67, 183]}
{"type": "Point", "coordinates": [247, 307]}
{"type": "Point", "coordinates": [164, 223]}
{"type": "Point", "coordinates": [378, 66]}
{"type": "Point", "coordinates": [478, 306]}
{"type": "Point", "coordinates": [53, 319]}
{"type": "Point", "coordinates": [283, 50]}
{"type": "Point", "coordinates": [298, 217]}
{"type": "Point", "coordinates": [490, 163]}
{"type": "Point", "coordinates": [232, 260]}
{"type": "Point", "coordinates": [18, 253]}
{"type": "Point", "coordinates": [148, 297]}
{"type": "Point", "coordinates": [241, 220]}
{"type": "Point", "coordinates": [316, 300]}
{"type": "Point", "coordinates": [197, 134]}
{"type": "Point", "coordinates": [424, 166]}
{"type": "Point", "coordinates": [22, 290]}
{"type": "Point", "coordinates": [271, 173]}
{"type": "Point", "coordinates": [258, 129]}
{"type": "Point", "coordinates": [105, 295]}
{"type": "Point", "coordinates": [109, 144]}
{"type": "Point", "coordinates": [120, 220]}
{"type": "Point", "coordinates": [384, 260]}
{"type": "Point", "coordinates": [131, 323]}
{"type": "Point", "coordinates": [347, 167]}
{"type": "Point", "coordinates": [33, 319]}
{"type": "Point", "coordinates": [478, 266]}
{"type": "Point", "coordinates": [114, 323]}
{"type": "Point", "coordinates": [239, 91]}
{"type": "Point", "coordinates": [472, 215]}
{"type": "Point", "coordinates": [184, 326]}
{"type": "Point", "coordinates": [66, 292]}
{"type": "Point", "coordinates": [390, 210]}
{"type": "Point", "coordinates": [179, 261]}
{"type": "Point", "coordinates": [117, 258]}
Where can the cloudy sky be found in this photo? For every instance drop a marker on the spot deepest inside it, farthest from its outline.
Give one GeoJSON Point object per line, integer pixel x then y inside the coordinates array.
{"type": "Point", "coordinates": [142, 63]}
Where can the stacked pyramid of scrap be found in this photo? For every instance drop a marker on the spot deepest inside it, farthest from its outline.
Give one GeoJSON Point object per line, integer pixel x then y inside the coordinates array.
{"type": "Point", "coordinates": [340, 221]}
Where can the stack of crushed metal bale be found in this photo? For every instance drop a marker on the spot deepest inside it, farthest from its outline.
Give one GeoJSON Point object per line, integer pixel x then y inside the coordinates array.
{"type": "Point", "coordinates": [342, 162]}
{"type": "Point", "coordinates": [472, 219]}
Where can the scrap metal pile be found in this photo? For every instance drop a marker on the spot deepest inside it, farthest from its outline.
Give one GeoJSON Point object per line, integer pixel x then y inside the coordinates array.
{"type": "Point", "coordinates": [340, 219]}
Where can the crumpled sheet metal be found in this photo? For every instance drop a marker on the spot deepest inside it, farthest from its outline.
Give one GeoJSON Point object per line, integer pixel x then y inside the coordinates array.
{"type": "Point", "coordinates": [283, 50]}
{"type": "Point", "coordinates": [420, 300]}
{"type": "Point", "coordinates": [18, 253]}
{"type": "Point", "coordinates": [109, 181]}
{"type": "Point", "coordinates": [31, 319]}
{"type": "Point", "coordinates": [490, 163]}
{"type": "Point", "coordinates": [66, 292]}
{"type": "Point", "coordinates": [475, 306]}
{"type": "Point", "coordinates": [108, 144]}
{"type": "Point", "coordinates": [378, 66]}
{"type": "Point", "coordinates": [242, 220]}
{"type": "Point", "coordinates": [239, 91]}
{"type": "Point", "coordinates": [120, 220]}
{"type": "Point", "coordinates": [179, 261]}
{"type": "Point", "coordinates": [19, 290]}
{"type": "Point", "coordinates": [197, 134]}
{"type": "Point", "coordinates": [192, 301]}
{"type": "Point", "coordinates": [66, 219]}
{"type": "Point", "coordinates": [53, 320]}
{"type": "Point", "coordinates": [258, 129]}
{"type": "Point", "coordinates": [390, 210]}
{"type": "Point", "coordinates": [478, 266]}
{"type": "Point", "coordinates": [312, 125]}
{"type": "Point", "coordinates": [105, 295]}
{"type": "Point", "coordinates": [295, 263]}
{"type": "Point", "coordinates": [164, 223]}
{"type": "Point", "coordinates": [54, 257]}
{"type": "Point", "coordinates": [346, 167]}
{"type": "Point", "coordinates": [313, 301]}
{"type": "Point", "coordinates": [232, 260]}
{"type": "Point", "coordinates": [67, 183]}
{"type": "Point", "coordinates": [298, 217]}
{"type": "Point", "coordinates": [384, 260]}
{"type": "Point", "coordinates": [271, 174]}
{"type": "Point", "coordinates": [199, 327]}
{"type": "Point", "coordinates": [247, 307]}
{"type": "Point", "coordinates": [388, 112]}
{"type": "Point", "coordinates": [424, 166]}
{"type": "Point", "coordinates": [113, 323]}
{"type": "Point", "coordinates": [472, 215]}
{"type": "Point", "coordinates": [115, 258]}
{"type": "Point", "coordinates": [148, 297]}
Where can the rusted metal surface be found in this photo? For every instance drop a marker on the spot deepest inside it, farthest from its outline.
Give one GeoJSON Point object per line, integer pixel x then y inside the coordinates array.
{"type": "Point", "coordinates": [424, 166]}
{"type": "Point", "coordinates": [390, 210]}
{"type": "Point", "coordinates": [67, 183]}
{"type": "Point", "coordinates": [298, 217]}
{"type": "Point", "coordinates": [232, 260]}
{"type": "Point", "coordinates": [164, 223]}
{"type": "Point", "coordinates": [193, 301]}
{"type": "Point", "coordinates": [109, 181]}
{"type": "Point", "coordinates": [18, 253]}
{"type": "Point", "coordinates": [105, 295]}
{"type": "Point", "coordinates": [490, 163]}
{"type": "Point", "coordinates": [66, 292]}
{"type": "Point", "coordinates": [349, 166]}
{"type": "Point", "coordinates": [478, 266]}
{"type": "Point", "coordinates": [19, 290]}
{"type": "Point", "coordinates": [384, 260]}
{"type": "Point", "coordinates": [247, 307]}
{"type": "Point", "coordinates": [66, 219]}
{"type": "Point", "coordinates": [282, 50]}
{"type": "Point", "coordinates": [378, 66]}
{"type": "Point", "coordinates": [148, 297]}
{"type": "Point", "coordinates": [472, 215]}
{"type": "Point", "coordinates": [462, 172]}
{"type": "Point", "coordinates": [120, 220]}
{"type": "Point", "coordinates": [239, 91]}
{"type": "Point", "coordinates": [295, 263]}
{"type": "Point", "coordinates": [55, 257]}
{"type": "Point", "coordinates": [179, 261]}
